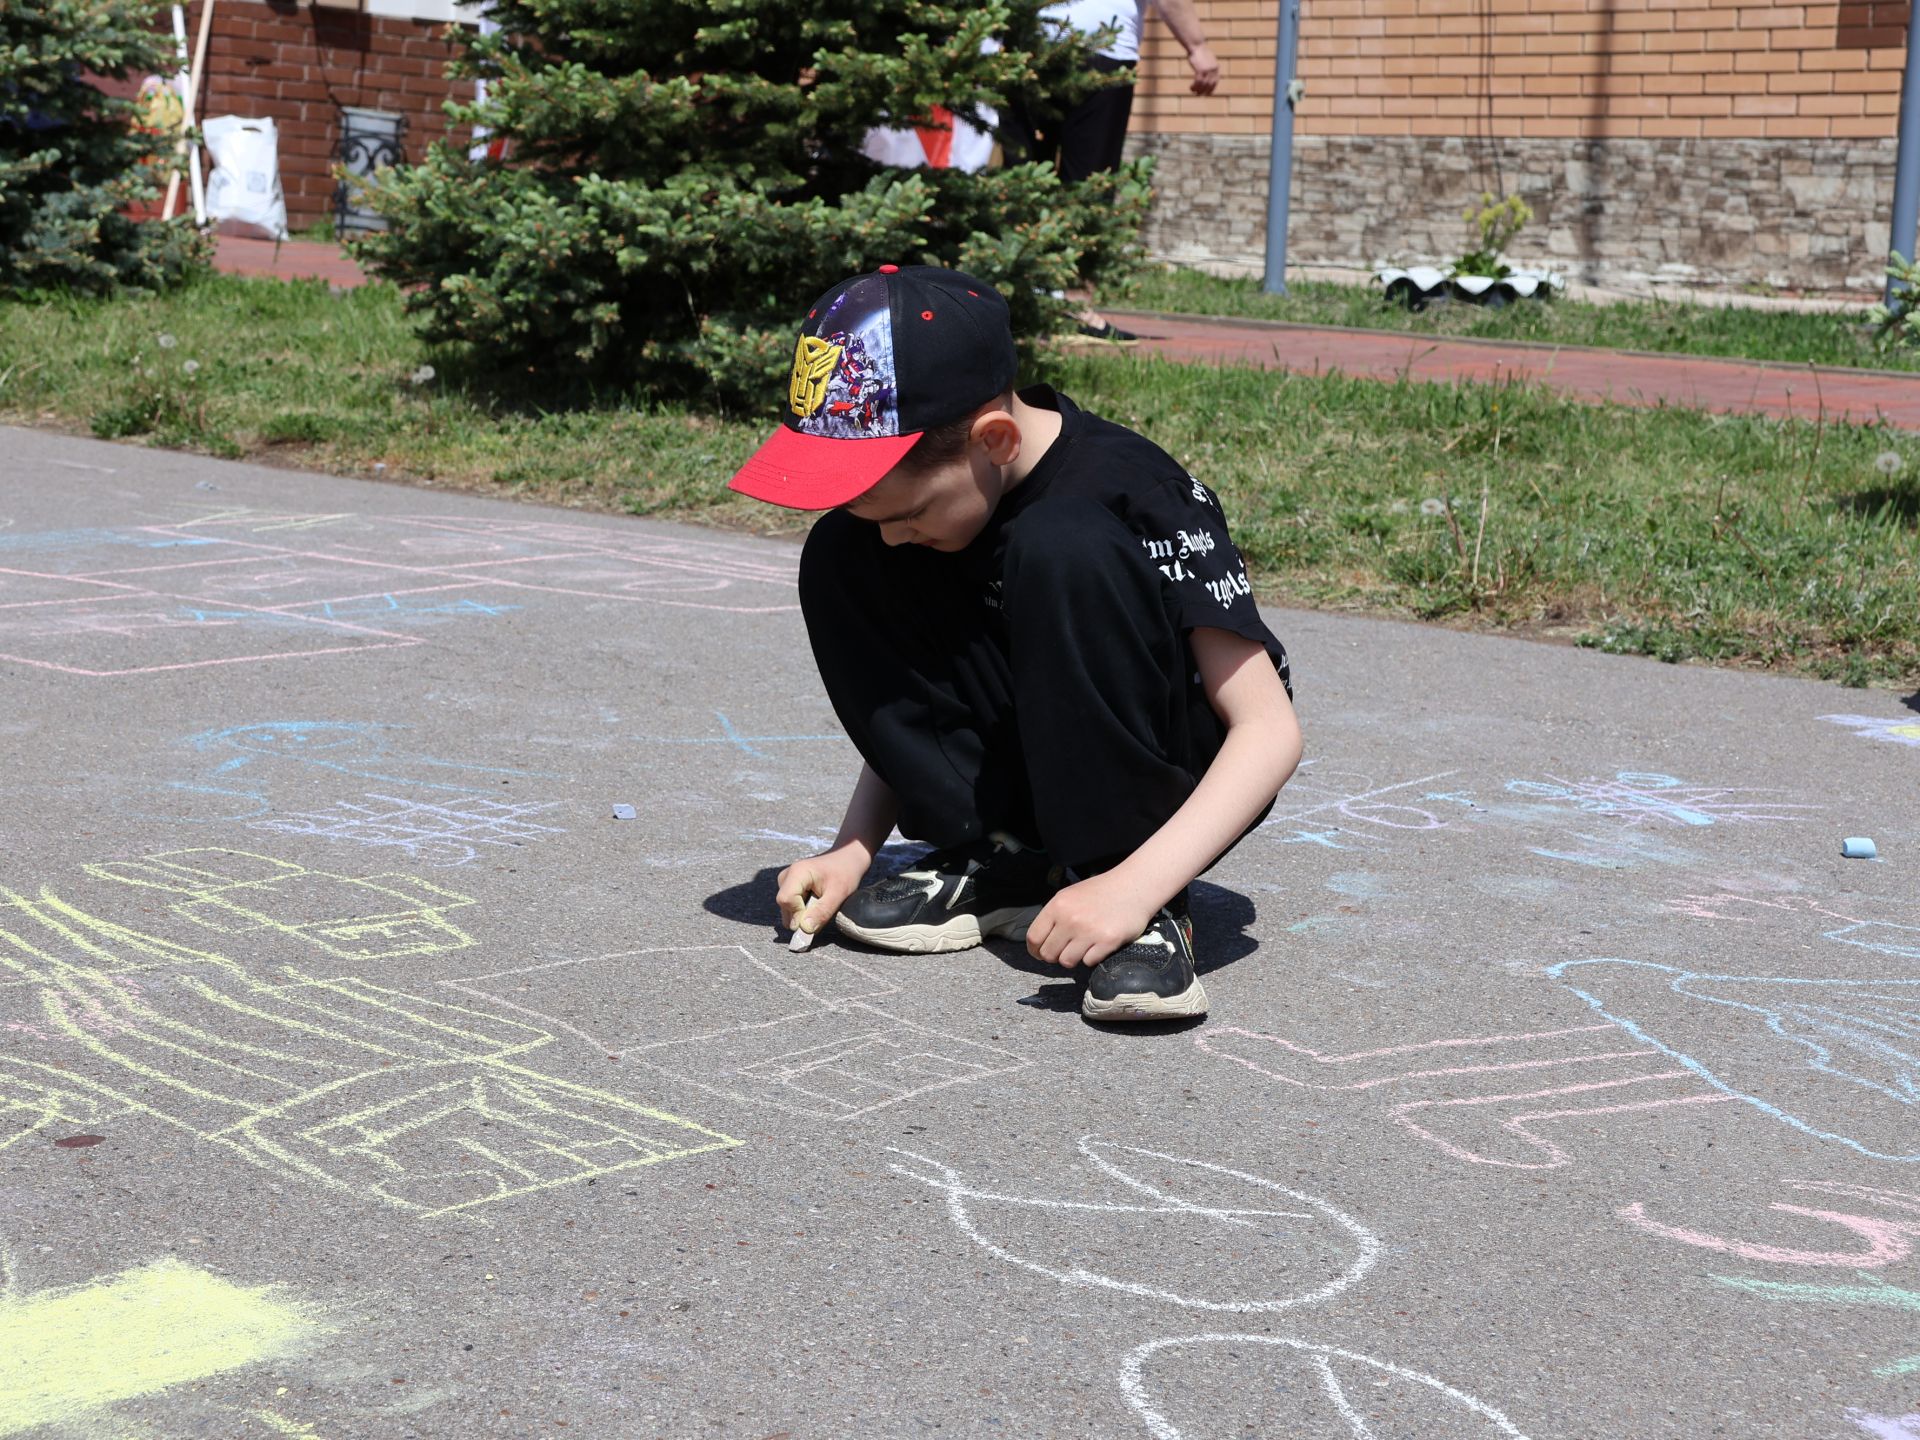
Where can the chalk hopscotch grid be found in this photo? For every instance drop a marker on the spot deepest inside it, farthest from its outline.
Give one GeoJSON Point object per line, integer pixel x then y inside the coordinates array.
{"type": "Point", "coordinates": [438, 834]}
{"type": "Point", "coordinates": [714, 563]}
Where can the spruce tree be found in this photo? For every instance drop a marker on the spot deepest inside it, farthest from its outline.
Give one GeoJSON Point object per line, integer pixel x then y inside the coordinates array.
{"type": "Point", "coordinates": [681, 177]}
{"type": "Point", "coordinates": [71, 160]}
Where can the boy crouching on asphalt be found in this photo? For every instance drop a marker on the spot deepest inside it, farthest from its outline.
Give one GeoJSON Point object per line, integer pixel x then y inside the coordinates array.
{"type": "Point", "coordinates": [1038, 635]}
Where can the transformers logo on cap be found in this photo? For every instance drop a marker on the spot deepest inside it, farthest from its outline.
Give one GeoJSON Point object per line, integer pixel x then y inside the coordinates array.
{"type": "Point", "coordinates": [844, 385]}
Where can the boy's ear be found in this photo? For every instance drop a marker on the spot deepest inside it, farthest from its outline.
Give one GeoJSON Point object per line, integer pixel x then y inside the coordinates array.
{"type": "Point", "coordinates": [999, 432]}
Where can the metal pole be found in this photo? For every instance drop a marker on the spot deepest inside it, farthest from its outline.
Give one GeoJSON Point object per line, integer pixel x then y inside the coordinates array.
{"type": "Point", "coordinates": [1906, 167]}
{"type": "Point", "coordinates": [1286, 93]}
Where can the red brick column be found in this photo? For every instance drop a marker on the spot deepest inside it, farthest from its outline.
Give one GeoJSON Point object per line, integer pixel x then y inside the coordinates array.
{"type": "Point", "coordinates": [297, 65]}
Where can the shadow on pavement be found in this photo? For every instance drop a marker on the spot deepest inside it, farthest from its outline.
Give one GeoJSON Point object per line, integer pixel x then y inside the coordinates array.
{"type": "Point", "coordinates": [1222, 921]}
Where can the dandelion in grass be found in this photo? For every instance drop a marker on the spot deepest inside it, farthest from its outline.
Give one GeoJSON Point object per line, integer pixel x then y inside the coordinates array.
{"type": "Point", "coordinates": [192, 367]}
{"type": "Point", "coordinates": [423, 375]}
{"type": "Point", "coordinates": [167, 342]}
{"type": "Point", "coordinates": [1433, 506]}
{"type": "Point", "coordinates": [1888, 462]}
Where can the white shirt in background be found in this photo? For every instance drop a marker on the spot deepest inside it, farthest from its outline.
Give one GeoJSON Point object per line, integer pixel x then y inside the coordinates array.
{"type": "Point", "coordinates": [1090, 17]}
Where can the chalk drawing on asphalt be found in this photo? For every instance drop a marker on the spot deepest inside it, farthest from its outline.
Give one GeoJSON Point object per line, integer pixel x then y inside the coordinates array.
{"type": "Point", "coordinates": [804, 1033]}
{"type": "Point", "coordinates": [330, 1079]}
{"type": "Point", "coordinates": [444, 834]}
{"type": "Point", "coordinates": [165, 1324]}
{"type": "Point", "coordinates": [1885, 1427]}
{"type": "Point", "coordinates": [1641, 797]}
{"type": "Point", "coordinates": [1347, 810]}
{"type": "Point", "coordinates": [243, 587]}
{"type": "Point", "coordinates": [1519, 1086]}
{"type": "Point", "coordinates": [1835, 1058]}
{"type": "Point", "coordinates": [1868, 1291]}
{"type": "Point", "coordinates": [1328, 1391]}
{"type": "Point", "coordinates": [1302, 1264]}
{"type": "Point", "coordinates": [1881, 727]}
{"type": "Point", "coordinates": [1881, 1240]}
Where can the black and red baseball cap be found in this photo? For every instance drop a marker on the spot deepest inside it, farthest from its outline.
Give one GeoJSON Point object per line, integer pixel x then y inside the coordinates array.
{"type": "Point", "coordinates": [882, 358]}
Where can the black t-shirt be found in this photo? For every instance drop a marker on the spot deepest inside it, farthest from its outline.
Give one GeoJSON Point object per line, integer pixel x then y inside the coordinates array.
{"type": "Point", "coordinates": [1182, 529]}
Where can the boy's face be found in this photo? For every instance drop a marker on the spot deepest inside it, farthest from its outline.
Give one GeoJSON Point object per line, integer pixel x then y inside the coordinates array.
{"type": "Point", "coordinates": [942, 508]}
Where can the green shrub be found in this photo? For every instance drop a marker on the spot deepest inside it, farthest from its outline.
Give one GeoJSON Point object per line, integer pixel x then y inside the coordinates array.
{"type": "Point", "coordinates": [683, 177]}
{"type": "Point", "coordinates": [71, 162]}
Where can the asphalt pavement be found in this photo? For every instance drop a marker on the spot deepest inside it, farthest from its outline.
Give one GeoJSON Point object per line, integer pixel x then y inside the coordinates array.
{"type": "Point", "coordinates": [363, 1074]}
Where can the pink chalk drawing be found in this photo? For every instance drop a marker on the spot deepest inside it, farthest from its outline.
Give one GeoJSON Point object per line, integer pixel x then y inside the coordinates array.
{"type": "Point", "coordinates": [1603, 1072]}
{"type": "Point", "coordinates": [1887, 1241]}
{"type": "Point", "coordinates": [1636, 797]}
{"type": "Point", "coordinates": [228, 589]}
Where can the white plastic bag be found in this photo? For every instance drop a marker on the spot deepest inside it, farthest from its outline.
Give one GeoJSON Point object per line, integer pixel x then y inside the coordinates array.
{"type": "Point", "coordinates": [244, 195]}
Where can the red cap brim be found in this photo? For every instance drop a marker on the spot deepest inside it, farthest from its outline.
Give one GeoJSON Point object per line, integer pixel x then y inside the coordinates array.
{"type": "Point", "coordinates": [815, 472]}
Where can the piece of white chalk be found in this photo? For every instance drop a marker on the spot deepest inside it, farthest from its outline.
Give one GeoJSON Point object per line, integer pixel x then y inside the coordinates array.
{"type": "Point", "coordinates": [802, 939]}
{"type": "Point", "coordinates": [1858, 847]}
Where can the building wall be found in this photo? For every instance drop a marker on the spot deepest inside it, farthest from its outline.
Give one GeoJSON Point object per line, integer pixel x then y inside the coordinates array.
{"type": "Point", "coordinates": [1681, 138]}
{"type": "Point", "coordinates": [297, 64]}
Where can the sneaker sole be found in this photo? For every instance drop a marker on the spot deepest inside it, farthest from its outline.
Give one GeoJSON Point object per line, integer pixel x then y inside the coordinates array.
{"type": "Point", "coordinates": [1147, 1006]}
{"type": "Point", "coordinates": [962, 932]}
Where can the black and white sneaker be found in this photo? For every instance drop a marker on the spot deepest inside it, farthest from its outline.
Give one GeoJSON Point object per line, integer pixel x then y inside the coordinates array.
{"type": "Point", "coordinates": [953, 899]}
{"type": "Point", "coordinates": [1151, 979]}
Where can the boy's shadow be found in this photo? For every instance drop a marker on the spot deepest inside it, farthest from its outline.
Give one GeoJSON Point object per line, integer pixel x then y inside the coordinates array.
{"type": "Point", "coordinates": [1222, 922]}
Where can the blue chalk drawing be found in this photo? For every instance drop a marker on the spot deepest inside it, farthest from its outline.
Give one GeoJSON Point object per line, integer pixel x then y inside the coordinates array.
{"type": "Point", "coordinates": [244, 763]}
{"type": "Point", "coordinates": [730, 735]}
{"type": "Point", "coordinates": [33, 540]}
{"type": "Point", "coordinates": [1862, 1034]}
{"type": "Point", "coordinates": [1637, 796]}
{"type": "Point", "coordinates": [359, 749]}
{"type": "Point", "coordinates": [1871, 1290]}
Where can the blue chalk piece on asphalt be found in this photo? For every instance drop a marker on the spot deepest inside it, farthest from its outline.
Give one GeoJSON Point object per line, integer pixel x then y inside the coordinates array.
{"type": "Point", "coordinates": [625, 812]}
{"type": "Point", "coordinates": [1858, 847]}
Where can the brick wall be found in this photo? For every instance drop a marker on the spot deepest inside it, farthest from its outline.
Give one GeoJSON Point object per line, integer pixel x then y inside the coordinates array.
{"type": "Point", "coordinates": [297, 64]}
{"type": "Point", "coordinates": [1689, 138]}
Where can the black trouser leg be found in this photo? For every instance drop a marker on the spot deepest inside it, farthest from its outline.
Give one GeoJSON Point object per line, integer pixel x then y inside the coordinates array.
{"type": "Point", "coordinates": [1093, 133]}
{"type": "Point", "coordinates": [917, 672]}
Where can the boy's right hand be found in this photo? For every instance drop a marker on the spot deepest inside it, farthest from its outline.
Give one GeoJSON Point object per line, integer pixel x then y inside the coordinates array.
{"type": "Point", "coordinates": [824, 880]}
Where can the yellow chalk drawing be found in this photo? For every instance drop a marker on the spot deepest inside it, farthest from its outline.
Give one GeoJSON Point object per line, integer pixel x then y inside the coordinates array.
{"type": "Point", "coordinates": [364, 1089]}
{"type": "Point", "coordinates": [234, 892]}
{"type": "Point", "coordinates": [67, 1352]}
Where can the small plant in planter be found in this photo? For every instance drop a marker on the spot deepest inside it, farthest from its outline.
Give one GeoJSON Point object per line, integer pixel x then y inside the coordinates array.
{"type": "Point", "coordinates": [1482, 275]}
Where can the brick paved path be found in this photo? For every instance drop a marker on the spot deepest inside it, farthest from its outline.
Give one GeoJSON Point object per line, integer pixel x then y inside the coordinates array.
{"type": "Point", "coordinates": [1627, 377]}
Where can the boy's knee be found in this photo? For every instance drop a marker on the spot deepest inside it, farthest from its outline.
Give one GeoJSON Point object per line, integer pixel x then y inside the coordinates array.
{"type": "Point", "coordinates": [1061, 542]}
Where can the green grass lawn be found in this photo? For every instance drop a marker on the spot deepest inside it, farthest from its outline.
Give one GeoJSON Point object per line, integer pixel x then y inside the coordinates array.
{"type": "Point", "coordinates": [1673, 326]}
{"type": "Point", "coordinates": [1740, 541]}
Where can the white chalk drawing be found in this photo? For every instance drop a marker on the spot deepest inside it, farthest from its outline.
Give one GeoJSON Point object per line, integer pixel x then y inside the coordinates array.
{"type": "Point", "coordinates": [1637, 797]}
{"type": "Point", "coordinates": [1423, 1408]}
{"type": "Point", "coordinates": [444, 834]}
{"type": "Point", "coordinates": [1885, 1427]}
{"type": "Point", "coordinates": [1299, 1249]}
{"type": "Point", "coordinates": [1525, 1083]}
{"type": "Point", "coordinates": [1319, 798]}
{"type": "Point", "coordinates": [802, 1033]}
{"type": "Point", "coordinates": [1340, 1252]}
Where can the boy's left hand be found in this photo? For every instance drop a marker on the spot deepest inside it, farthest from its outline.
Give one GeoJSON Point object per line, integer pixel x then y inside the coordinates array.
{"type": "Point", "coordinates": [1088, 921]}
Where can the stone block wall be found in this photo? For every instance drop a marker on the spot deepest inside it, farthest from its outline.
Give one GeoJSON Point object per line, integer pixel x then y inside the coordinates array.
{"type": "Point", "coordinates": [1716, 140]}
{"type": "Point", "coordinates": [1735, 211]}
